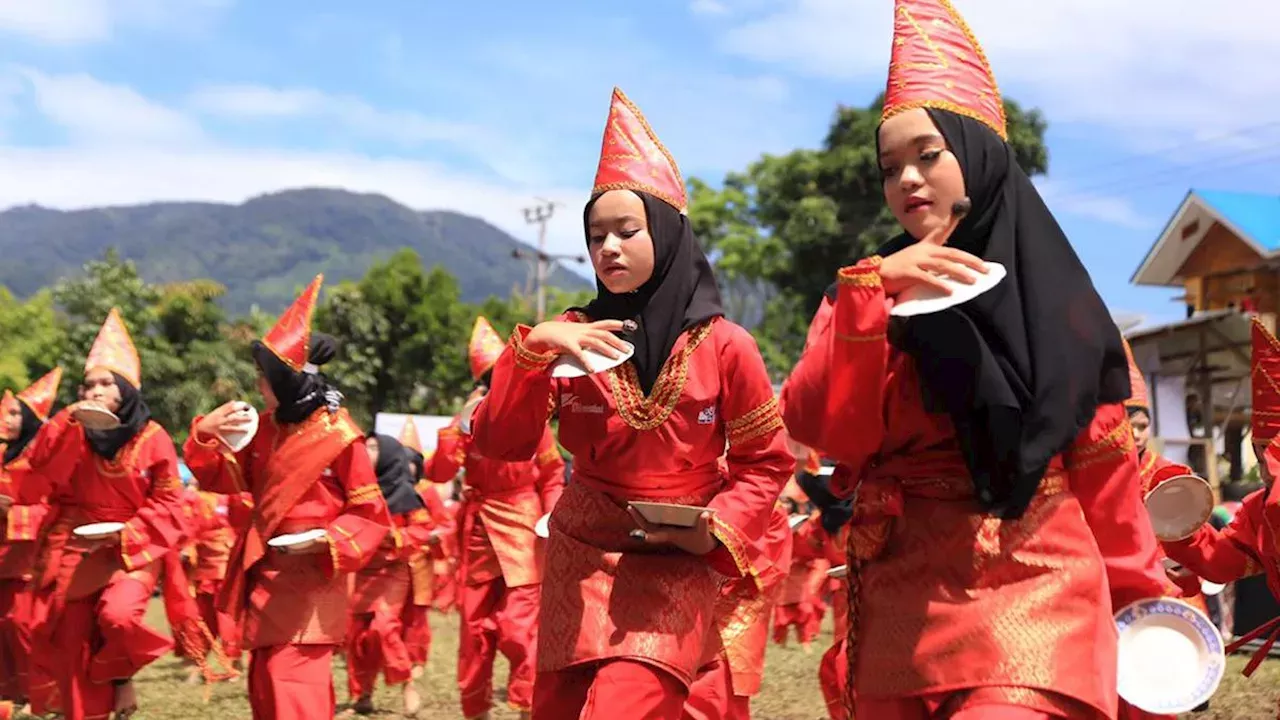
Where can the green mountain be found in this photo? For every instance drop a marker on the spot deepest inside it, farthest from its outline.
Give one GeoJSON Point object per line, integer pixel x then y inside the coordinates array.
{"type": "Point", "coordinates": [265, 248]}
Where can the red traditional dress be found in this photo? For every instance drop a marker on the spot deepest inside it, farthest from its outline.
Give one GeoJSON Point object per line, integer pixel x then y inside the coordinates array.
{"type": "Point", "coordinates": [218, 519]}
{"type": "Point", "coordinates": [417, 626]}
{"type": "Point", "coordinates": [27, 493]}
{"type": "Point", "coordinates": [954, 609]}
{"type": "Point", "coordinates": [723, 691]}
{"type": "Point", "coordinates": [502, 557]}
{"type": "Point", "coordinates": [624, 624]}
{"type": "Point", "coordinates": [800, 605]}
{"type": "Point", "coordinates": [383, 589]}
{"type": "Point", "coordinates": [96, 612]}
{"type": "Point", "coordinates": [303, 476]}
{"type": "Point", "coordinates": [1250, 545]}
{"type": "Point", "coordinates": [833, 668]}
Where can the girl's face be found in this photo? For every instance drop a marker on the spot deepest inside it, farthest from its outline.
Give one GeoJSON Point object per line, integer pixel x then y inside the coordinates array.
{"type": "Point", "coordinates": [100, 387]}
{"type": "Point", "coordinates": [10, 420]}
{"type": "Point", "coordinates": [264, 389]}
{"type": "Point", "coordinates": [1260, 451]}
{"type": "Point", "coordinates": [618, 238]}
{"type": "Point", "coordinates": [371, 447]}
{"type": "Point", "coordinates": [1141, 424]}
{"type": "Point", "coordinates": [922, 178]}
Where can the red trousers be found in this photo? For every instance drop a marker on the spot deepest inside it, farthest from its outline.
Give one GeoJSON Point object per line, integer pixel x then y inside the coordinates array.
{"type": "Point", "coordinates": [417, 633]}
{"type": "Point", "coordinates": [832, 670]}
{"type": "Point", "coordinates": [101, 638]}
{"type": "Point", "coordinates": [806, 617]}
{"type": "Point", "coordinates": [15, 638]}
{"type": "Point", "coordinates": [43, 681]}
{"type": "Point", "coordinates": [375, 641]}
{"type": "Point", "coordinates": [611, 690]}
{"type": "Point", "coordinates": [711, 696]}
{"type": "Point", "coordinates": [496, 618]}
{"type": "Point", "coordinates": [291, 682]}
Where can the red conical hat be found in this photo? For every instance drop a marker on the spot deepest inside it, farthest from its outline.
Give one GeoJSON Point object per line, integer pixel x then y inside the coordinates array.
{"type": "Point", "coordinates": [1138, 397]}
{"type": "Point", "coordinates": [938, 63]}
{"type": "Point", "coordinates": [484, 349]}
{"type": "Point", "coordinates": [1265, 379]}
{"type": "Point", "coordinates": [409, 436]}
{"type": "Point", "coordinates": [633, 158]}
{"type": "Point", "coordinates": [113, 350]}
{"type": "Point", "coordinates": [290, 339]}
{"type": "Point", "coordinates": [40, 396]}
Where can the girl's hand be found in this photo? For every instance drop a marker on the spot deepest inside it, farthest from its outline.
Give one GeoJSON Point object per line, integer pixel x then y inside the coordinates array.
{"type": "Point", "coordinates": [696, 540]}
{"type": "Point", "coordinates": [574, 339]}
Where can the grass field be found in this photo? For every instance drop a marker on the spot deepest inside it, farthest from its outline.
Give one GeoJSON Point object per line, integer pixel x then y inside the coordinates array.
{"type": "Point", "coordinates": [790, 690]}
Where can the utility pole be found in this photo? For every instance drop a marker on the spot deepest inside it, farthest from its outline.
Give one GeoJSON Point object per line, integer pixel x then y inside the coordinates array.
{"type": "Point", "coordinates": [540, 214]}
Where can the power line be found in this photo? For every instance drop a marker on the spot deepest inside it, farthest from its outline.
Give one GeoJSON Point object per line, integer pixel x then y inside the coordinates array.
{"type": "Point", "coordinates": [540, 215]}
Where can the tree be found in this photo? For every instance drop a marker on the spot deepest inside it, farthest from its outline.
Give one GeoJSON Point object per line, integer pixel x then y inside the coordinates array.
{"type": "Point", "coordinates": [780, 230]}
{"type": "Point", "coordinates": [403, 333]}
{"type": "Point", "coordinates": [29, 338]}
{"type": "Point", "coordinates": [191, 359]}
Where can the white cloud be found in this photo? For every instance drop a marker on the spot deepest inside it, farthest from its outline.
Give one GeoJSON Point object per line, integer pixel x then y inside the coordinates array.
{"type": "Point", "coordinates": [71, 22]}
{"type": "Point", "coordinates": [92, 111]}
{"type": "Point", "coordinates": [1110, 209]}
{"type": "Point", "coordinates": [129, 149]}
{"type": "Point", "coordinates": [1182, 65]}
{"type": "Point", "coordinates": [708, 7]}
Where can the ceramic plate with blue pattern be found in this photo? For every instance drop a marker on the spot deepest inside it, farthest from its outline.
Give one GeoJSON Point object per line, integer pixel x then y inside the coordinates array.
{"type": "Point", "coordinates": [1171, 656]}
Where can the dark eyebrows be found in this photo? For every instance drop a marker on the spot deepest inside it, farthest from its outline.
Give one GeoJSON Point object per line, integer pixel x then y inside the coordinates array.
{"type": "Point", "coordinates": [919, 141]}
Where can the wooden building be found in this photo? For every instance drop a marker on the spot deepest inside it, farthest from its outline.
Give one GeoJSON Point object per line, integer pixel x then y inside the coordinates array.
{"type": "Point", "coordinates": [1222, 250]}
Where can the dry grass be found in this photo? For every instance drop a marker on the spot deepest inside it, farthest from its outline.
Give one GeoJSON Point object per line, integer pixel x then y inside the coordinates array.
{"type": "Point", "coordinates": [790, 691]}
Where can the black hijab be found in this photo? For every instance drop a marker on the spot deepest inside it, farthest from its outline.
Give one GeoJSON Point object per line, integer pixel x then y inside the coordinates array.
{"type": "Point", "coordinates": [395, 476]}
{"type": "Point", "coordinates": [134, 416]}
{"type": "Point", "coordinates": [30, 427]}
{"type": "Point", "coordinates": [1020, 369]}
{"type": "Point", "coordinates": [298, 394]}
{"type": "Point", "coordinates": [417, 462]}
{"type": "Point", "coordinates": [681, 294]}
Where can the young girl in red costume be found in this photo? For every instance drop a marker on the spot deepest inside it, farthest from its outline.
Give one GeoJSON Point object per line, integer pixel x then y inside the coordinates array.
{"type": "Point", "coordinates": [627, 608]}
{"type": "Point", "coordinates": [996, 493]}
{"type": "Point", "coordinates": [23, 507]}
{"type": "Point", "coordinates": [1250, 545]}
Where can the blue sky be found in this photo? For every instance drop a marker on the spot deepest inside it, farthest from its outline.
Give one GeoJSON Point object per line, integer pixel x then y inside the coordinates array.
{"type": "Point", "coordinates": [479, 107]}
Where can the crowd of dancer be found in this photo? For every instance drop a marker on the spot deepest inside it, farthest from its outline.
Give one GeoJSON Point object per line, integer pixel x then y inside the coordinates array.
{"type": "Point", "coordinates": [982, 497]}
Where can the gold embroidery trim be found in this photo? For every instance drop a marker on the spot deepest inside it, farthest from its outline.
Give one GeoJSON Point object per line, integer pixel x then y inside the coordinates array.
{"type": "Point", "coordinates": [349, 536]}
{"type": "Point", "coordinates": [1115, 443]}
{"type": "Point", "coordinates": [860, 338]}
{"type": "Point", "coordinates": [733, 542]}
{"type": "Point", "coordinates": [527, 359]}
{"type": "Point", "coordinates": [647, 413]}
{"type": "Point", "coordinates": [865, 274]}
{"type": "Point", "coordinates": [364, 494]}
{"type": "Point", "coordinates": [761, 421]}
{"type": "Point", "coordinates": [333, 555]}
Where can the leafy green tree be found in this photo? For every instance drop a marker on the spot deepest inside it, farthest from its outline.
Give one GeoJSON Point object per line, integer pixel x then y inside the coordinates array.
{"type": "Point", "coordinates": [30, 338]}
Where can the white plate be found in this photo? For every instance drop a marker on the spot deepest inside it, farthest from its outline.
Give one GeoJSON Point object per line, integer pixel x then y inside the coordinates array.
{"type": "Point", "coordinates": [796, 521]}
{"type": "Point", "coordinates": [568, 366]}
{"type": "Point", "coordinates": [543, 528]}
{"type": "Point", "coordinates": [296, 538]}
{"type": "Point", "coordinates": [464, 417]}
{"type": "Point", "coordinates": [1179, 506]}
{"type": "Point", "coordinates": [98, 530]}
{"type": "Point", "coordinates": [826, 470]}
{"type": "Point", "coordinates": [664, 514]}
{"type": "Point", "coordinates": [924, 299]}
{"type": "Point", "coordinates": [95, 417]}
{"type": "Point", "coordinates": [1171, 656]}
{"type": "Point", "coordinates": [838, 571]}
{"type": "Point", "coordinates": [1211, 588]}
{"type": "Point", "coordinates": [240, 440]}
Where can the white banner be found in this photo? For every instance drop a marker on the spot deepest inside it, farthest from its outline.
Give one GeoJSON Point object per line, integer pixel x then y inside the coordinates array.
{"type": "Point", "coordinates": [428, 425]}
